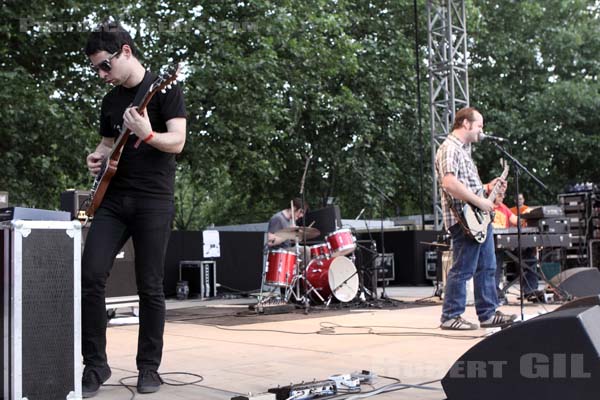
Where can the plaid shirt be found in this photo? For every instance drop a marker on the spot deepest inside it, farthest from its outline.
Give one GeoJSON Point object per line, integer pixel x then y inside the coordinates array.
{"type": "Point", "coordinates": [455, 157]}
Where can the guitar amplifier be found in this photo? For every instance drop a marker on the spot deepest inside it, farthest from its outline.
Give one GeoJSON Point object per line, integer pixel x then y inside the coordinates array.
{"type": "Point", "coordinates": [384, 263]}
{"type": "Point", "coordinates": [41, 324]}
{"type": "Point", "coordinates": [75, 202]}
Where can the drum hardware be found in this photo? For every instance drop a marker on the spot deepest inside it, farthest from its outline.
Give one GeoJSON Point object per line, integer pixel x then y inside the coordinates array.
{"type": "Point", "coordinates": [293, 287]}
{"type": "Point", "coordinates": [331, 278]}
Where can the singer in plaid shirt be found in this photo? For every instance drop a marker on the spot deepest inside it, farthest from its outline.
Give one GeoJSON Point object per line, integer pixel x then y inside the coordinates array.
{"type": "Point", "coordinates": [459, 182]}
{"type": "Point", "coordinates": [454, 157]}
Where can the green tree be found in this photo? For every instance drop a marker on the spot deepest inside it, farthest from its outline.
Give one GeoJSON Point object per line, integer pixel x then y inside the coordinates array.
{"type": "Point", "coordinates": [535, 76]}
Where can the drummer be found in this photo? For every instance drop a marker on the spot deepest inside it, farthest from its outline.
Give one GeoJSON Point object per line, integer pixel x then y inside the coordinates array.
{"type": "Point", "coordinates": [281, 220]}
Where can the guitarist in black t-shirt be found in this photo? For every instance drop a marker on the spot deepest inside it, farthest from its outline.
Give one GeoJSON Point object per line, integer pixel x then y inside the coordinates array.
{"type": "Point", "coordinates": [138, 203]}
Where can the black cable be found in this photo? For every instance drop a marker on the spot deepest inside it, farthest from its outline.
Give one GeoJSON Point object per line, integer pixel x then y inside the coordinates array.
{"type": "Point", "coordinates": [130, 387]}
{"type": "Point", "coordinates": [326, 324]}
{"type": "Point", "coordinates": [239, 290]}
{"type": "Point", "coordinates": [199, 379]}
{"type": "Point", "coordinates": [426, 300]}
{"type": "Point", "coordinates": [331, 332]}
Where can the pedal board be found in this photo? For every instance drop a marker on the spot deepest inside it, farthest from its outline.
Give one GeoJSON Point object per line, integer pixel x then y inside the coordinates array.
{"type": "Point", "coordinates": [305, 390]}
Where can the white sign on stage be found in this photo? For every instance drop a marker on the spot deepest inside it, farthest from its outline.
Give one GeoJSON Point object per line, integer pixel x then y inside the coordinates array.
{"type": "Point", "coordinates": [212, 247]}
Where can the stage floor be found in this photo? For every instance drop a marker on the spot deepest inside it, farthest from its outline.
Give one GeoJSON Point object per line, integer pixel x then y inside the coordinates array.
{"type": "Point", "coordinates": [254, 355]}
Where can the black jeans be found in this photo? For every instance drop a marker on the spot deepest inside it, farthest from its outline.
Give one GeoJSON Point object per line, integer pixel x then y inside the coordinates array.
{"type": "Point", "coordinates": [148, 223]}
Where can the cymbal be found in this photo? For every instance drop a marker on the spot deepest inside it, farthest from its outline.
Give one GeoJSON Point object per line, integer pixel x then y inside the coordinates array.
{"type": "Point", "coordinates": [297, 233]}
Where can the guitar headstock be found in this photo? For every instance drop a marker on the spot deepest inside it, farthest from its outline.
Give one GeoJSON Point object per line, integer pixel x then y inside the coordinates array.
{"type": "Point", "coordinates": [505, 167]}
{"type": "Point", "coordinates": [165, 80]}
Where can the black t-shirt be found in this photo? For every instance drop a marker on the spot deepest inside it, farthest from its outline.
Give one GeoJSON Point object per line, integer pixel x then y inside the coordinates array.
{"type": "Point", "coordinates": [145, 171]}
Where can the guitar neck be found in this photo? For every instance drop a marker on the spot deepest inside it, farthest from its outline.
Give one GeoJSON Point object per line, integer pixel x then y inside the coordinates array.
{"type": "Point", "coordinates": [115, 152]}
{"type": "Point", "coordinates": [496, 189]}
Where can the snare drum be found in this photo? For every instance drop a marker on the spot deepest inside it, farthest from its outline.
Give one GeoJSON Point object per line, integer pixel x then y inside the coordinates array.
{"type": "Point", "coordinates": [341, 242]}
{"type": "Point", "coordinates": [334, 277]}
{"type": "Point", "coordinates": [280, 268]}
{"type": "Point", "coordinates": [319, 251]}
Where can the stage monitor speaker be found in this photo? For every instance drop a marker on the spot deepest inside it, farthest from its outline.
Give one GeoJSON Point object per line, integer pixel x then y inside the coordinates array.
{"type": "Point", "coordinates": [41, 312]}
{"type": "Point", "coordinates": [555, 356]}
{"type": "Point", "coordinates": [578, 282]}
{"type": "Point", "coordinates": [586, 302]}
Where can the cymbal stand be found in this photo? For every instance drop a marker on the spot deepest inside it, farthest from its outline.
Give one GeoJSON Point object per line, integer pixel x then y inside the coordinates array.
{"type": "Point", "coordinates": [301, 273]}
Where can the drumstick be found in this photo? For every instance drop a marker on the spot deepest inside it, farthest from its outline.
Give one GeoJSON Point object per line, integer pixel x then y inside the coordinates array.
{"type": "Point", "coordinates": [293, 214]}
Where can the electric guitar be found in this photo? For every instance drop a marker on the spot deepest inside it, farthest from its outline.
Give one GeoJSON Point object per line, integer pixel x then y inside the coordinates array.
{"type": "Point", "coordinates": [110, 163]}
{"type": "Point", "coordinates": [475, 221]}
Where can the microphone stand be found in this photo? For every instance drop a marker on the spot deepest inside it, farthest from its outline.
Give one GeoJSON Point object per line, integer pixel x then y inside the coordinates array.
{"type": "Point", "coordinates": [382, 198]}
{"type": "Point", "coordinates": [303, 202]}
{"type": "Point", "coordinates": [518, 167]}
{"type": "Point", "coordinates": [372, 257]}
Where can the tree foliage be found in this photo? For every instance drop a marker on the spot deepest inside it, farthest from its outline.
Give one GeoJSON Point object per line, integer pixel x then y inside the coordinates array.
{"type": "Point", "coordinates": [534, 73]}
{"type": "Point", "coordinates": [269, 84]}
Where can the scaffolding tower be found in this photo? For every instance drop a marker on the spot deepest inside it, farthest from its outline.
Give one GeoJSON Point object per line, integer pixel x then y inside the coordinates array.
{"type": "Point", "coordinates": [448, 76]}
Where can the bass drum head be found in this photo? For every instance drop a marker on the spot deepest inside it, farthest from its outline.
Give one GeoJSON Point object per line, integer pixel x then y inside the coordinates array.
{"type": "Point", "coordinates": [340, 270]}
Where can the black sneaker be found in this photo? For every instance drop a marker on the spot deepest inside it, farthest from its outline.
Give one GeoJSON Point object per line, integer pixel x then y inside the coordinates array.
{"type": "Point", "coordinates": [148, 381]}
{"type": "Point", "coordinates": [92, 379]}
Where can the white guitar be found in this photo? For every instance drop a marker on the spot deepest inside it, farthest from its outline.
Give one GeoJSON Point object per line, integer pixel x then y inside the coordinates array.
{"type": "Point", "coordinates": [475, 221]}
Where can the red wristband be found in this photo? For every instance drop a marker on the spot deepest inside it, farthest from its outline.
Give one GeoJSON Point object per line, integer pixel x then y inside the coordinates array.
{"type": "Point", "coordinates": [149, 137]}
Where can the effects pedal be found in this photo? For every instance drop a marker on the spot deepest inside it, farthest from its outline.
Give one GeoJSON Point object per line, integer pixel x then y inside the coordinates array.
{"type": "Point", "coordinates": [305, 391]}
{"type": "Point", "coordinates": [346, 382]}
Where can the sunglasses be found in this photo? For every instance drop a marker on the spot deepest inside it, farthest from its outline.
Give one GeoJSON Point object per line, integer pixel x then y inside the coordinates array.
{"type": "Point", "coordinates": [105, 64]}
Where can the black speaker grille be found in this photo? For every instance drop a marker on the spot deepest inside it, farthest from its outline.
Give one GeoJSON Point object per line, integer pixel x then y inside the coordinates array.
{"type": "Point", "coordinates": [48, 318]}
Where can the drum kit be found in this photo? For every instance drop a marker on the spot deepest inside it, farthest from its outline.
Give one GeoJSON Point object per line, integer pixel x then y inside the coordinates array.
{"type": "Point", "coordinates": [317, 274]}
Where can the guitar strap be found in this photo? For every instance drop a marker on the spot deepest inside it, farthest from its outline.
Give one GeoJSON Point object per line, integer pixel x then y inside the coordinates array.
{"type": "Point", "coordinates": [143, 89]}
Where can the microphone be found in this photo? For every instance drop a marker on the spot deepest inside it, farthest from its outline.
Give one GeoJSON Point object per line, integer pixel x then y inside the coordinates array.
{"type": "Point", "coordinates": [359, 214]}
{"type": "Point", "coordinates": [483, 136]}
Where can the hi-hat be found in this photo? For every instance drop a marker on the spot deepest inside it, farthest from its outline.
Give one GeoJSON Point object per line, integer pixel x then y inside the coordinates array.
{"type": "Point", "coordinates": [297, 233]}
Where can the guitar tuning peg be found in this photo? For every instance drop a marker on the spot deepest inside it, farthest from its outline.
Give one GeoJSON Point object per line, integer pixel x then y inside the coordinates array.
{"type": "Point", "coordinates": [163, 91]}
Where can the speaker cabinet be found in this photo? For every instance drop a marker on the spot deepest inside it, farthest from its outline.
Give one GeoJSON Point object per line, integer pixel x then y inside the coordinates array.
{"type": "Point", "coordinates": [555, 356]}
{"type": "Point", "coordinates": [578, 282]}
{"type": "Point", "coordinates": [585, 302]}
{"type": "Point", "coordinates": [41, 351]}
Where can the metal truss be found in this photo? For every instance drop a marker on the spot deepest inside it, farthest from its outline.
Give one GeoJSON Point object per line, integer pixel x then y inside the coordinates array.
{"type": "Point", "coordinates": [448, 76]}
